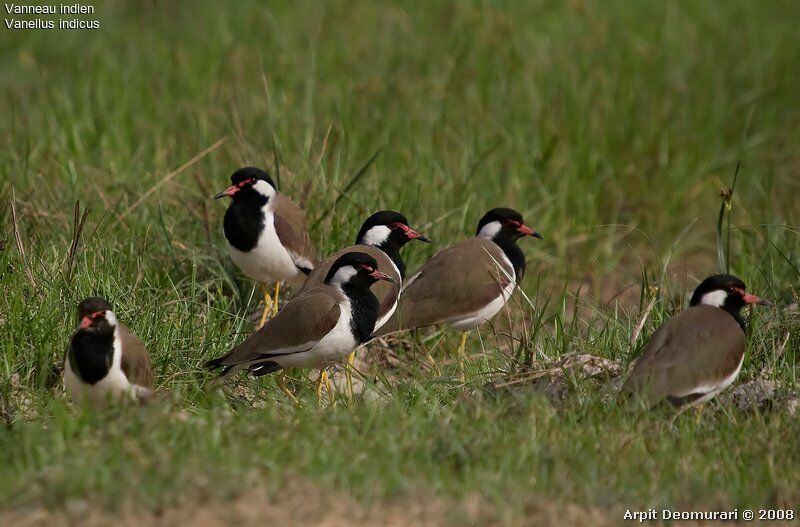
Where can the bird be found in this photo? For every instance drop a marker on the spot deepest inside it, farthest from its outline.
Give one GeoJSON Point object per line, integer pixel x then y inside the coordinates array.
{"type": "Point", "coordinates": [382, 235]}
{"type": "Point", "coordinates": [466, 284]}
{"type": "Point", "coordinates": [267, 233]}
{"type": "Point", "coordinates": [104, 360]}
{"type": "Point", "coordinates": [698, 353]}
{"type": "Point", "coordinates": [316, 328]}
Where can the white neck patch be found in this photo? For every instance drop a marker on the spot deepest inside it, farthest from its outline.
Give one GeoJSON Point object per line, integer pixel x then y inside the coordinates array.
{"type": "Point", "coordinates": [714, 298]}
{"type": "Point", "coordinates": [376, 235]}
{"type": "Point", "coordinates": [265, 189]}
{"type": "Point", "coordinates": [490, 230]}
{"type": "Point", "coordinates": [343, 275]}
{"type": "Point", "coordinates": [111, 318]}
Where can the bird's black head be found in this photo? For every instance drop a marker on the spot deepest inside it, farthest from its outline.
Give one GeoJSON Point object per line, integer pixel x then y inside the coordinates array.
{"type": "Point", "coordinates": [354, 269]}
{"type": "Point", "coordinates": [725, 291]}
{"type": "Point", "coordinates": [387, 229]}
{"type": "Point", "coordinates": [504, 223]}
{"type": "Point", "coordinates": [95, 316]}
{"type": "Point", "coordinates": [250, 184]}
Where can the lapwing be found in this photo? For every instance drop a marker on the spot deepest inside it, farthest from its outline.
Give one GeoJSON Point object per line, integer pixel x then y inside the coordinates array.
{"type": "Point", "coordinates": [267, 233]}
{"type": "Point", "coordinates": [104, 360]}
{"type": "Point", "coordinates": [696, 354]}
{"type": "Point", "coordinates": [317, 328]}
{"type": "Point", "coordinates": [382, 236]}
{"type": "Point", "coordinates": [466, 284]}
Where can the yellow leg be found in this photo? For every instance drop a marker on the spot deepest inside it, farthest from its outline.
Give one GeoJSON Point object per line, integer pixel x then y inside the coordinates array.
{"type": "Point", "coordinates": [285, 389]}
{"type": "Point", "coordinates": [267, 302]}
{"type": "Point", "coordinates": [323, 380]}
{"type": "Point", "coordinates": [698, 416]}
{"type": "Point", "coordinates": [329, 387]}
{"type": "Point", "coordinates": [275, 301]}
{"type": "Point", "coordinates": [323, 376]}
{"type": "Point", "coordinates": [462, 355]}
{"type": "Point", "coordinates": [349, 375]}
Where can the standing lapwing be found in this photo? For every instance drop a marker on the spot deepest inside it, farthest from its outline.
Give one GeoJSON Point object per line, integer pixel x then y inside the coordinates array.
{"type": "Point", "coordinates": [266, 232]}
{"type": "Point", "coordinates": [698, 353]}
{"type": "Point", "coordinates": [466, 284]}
{"type": "Point", "coordinates": [316, 328]}
{"type": "Point", "coordinates": [104, 359]}
{"type": "Point", "coordinates": [381, 236]}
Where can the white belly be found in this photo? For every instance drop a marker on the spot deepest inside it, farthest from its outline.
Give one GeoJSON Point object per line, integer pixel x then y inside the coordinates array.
{"type": "Point", "coordinates": [333, 347]}
{"type": "Point", "coordinates": [475, 319]}
{"type": "Point", "coordinates": [268, 262]}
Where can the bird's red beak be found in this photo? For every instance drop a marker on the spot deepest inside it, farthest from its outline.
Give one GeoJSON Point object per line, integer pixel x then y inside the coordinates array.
{"type": "Point", "coordinates": [88, 320]}
{"type": "Point", "coordinates": [747, 298]}
{"type": "Point", "coordinates": [527, 231]}
{"type": "Point", "coordinates": [753, 299]}
{"type": "Point", "coordinates": [381, 276]}
{"type": "Point", "coordinates": [230, 191]}
{"type": "Point", "coordinates": [410, 233]}
{"type": "Point", "coordinates": [414, 235]}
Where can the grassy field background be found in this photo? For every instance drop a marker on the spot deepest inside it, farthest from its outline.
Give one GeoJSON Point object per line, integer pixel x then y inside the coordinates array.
{"type": "Point", "coordinates": [611, 126]}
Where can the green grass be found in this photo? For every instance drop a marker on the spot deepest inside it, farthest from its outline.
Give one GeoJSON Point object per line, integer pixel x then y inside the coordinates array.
{"type": "Point", "coordinates": [611, 126]}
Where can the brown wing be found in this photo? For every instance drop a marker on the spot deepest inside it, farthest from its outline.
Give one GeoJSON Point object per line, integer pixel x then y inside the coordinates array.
{"type": "Point", "coordinates": [298, 326]}
{"type": "Point", "coordinates": [457, 281]}
{"type": "Point", "coordinates": [385, 292]}
{"type": "Point", "coordinates": [292, 231]}
{"type": "Point", "coordinates": [135, 360]}
{"type": "Point", "coordinates": [690, 353]}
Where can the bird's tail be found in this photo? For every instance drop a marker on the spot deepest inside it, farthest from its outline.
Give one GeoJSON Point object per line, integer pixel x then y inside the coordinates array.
{"type": "Point", "coordinates": [264, 368]}
{"type": "Point", "coordinates": [227, 369]}
{"type": "Point", "coordinates": [214, 364]}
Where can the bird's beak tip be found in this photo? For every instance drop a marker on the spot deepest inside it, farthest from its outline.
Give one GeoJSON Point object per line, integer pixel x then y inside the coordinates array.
{"type": "Point", "coordinates": [537, 234]}
{"type": "Point", "coordinates": [378, 275]}
{"type": "Point", "coordinates": [230, 191]}
{"type": "Point", "coordinates": [753, 299]}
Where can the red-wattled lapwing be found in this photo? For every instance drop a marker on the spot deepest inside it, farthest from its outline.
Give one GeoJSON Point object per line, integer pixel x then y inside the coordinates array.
{"type": "Point", "coordinates": [698, 353]}
{"type": "Point", "coordinates": [382, 236]}
{"type": "Point", "coordinates": [104, 359]}
{"type": "Point", "coordinates": [316, 328]}
{"type": "Point", "coordinates": [266, 232]}
{"type": "Point", "coordinates": [466, 284]}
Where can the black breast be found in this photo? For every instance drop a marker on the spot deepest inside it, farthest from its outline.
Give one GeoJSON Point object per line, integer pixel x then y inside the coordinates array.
{"type": "Point", "coordinates": [364, 311]}
{"type": "Point", "coordinates": [91, 355]}
{"type": "Point", "coordinates": [515, 256]}
{"type": "Point", "coordinates": [394, 255]}
{"type": "Point", "coordinates": [244, 221]}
